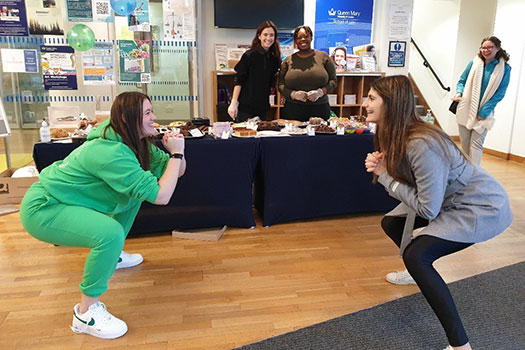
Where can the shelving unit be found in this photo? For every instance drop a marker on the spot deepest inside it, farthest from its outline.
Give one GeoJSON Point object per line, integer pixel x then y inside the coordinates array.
{"type": "Point", "coordinates": [349, 83]}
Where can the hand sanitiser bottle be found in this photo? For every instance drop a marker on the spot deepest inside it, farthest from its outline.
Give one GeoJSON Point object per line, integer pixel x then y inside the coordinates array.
{"type": "Point", "coordinates": [429, 118]}
{"type": "Point", "coordinates": [45, 132]}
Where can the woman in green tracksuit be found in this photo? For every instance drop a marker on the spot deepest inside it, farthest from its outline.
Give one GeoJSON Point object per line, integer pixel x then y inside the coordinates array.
{"type": "Point", "coordinates": [91, 198]}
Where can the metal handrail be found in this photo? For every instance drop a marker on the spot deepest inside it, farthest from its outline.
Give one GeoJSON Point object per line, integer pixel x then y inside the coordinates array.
{"type": "Point", "coordinates": [427, 64]}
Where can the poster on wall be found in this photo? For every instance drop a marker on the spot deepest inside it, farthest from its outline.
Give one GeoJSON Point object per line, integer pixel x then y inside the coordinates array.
{"type": "Point", "coordinates": [98, 67]}
{"type": "Point", "coordinates": [138, 21]}
{"type": "Point", "coordinates": [45, 17]}
{"type": "Point", "coordinates": [79, 10]}
{"type": "Point", "coordinates": [122, 31]}
{"type": "Point", "coordinates": [179, 21]}
{"type": "Point", "coordinates": [58, 67]}
{"type": "Point", "coordinates": [286, 43]}
{"type": "Point", "coordinates": [135, 61]}
{"type": "Point", "coordinates": [396, 53]}
{"type": "Point", "coordinates": [400, 21]}
{"type": "Point", "coordinates": [342, 23]}
{"type": "Point", "coordinates": [13, 20]}
{"type": "Point", "coordinates": [102, 11]}
{"type": "Point", "coordinates": [19, 61]}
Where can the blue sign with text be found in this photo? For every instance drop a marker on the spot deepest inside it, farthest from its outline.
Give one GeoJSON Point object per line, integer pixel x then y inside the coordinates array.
{"type": "Point", "coordinates": [345, 23]}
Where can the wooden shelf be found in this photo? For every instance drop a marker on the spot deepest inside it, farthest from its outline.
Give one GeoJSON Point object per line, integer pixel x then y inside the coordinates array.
{"type": "Point", "coordinates": [349, 83]}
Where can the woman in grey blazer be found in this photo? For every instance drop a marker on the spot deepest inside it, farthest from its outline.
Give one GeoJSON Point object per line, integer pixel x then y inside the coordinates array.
{"type": "Point", "coordinates": [453, 202]}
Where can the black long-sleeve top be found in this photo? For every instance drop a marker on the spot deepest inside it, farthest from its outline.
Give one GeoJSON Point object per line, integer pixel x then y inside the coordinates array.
{"type": "Point", "coordinates": [256, 73]}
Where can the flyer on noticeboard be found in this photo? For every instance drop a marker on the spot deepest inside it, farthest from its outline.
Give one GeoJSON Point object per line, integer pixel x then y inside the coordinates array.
{"type": "Point", "coordinates": [44, 17]}
{"type": "Point", "coordinates": [135, 61]}
{"type": "Point", "coordinates": [13, 19]}
{"type": "Point", "coordinates": [98, 66]}
{"type": "Point", "coordinates": [58, 67]}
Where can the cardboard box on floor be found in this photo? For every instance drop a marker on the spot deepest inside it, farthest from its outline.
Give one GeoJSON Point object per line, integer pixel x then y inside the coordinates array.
{"type": "Point", "coordinates": [12, 190]}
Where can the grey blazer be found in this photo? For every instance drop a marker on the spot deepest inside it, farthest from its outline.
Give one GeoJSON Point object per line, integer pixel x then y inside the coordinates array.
{"type": "Point", "coordinates": [462, 201]}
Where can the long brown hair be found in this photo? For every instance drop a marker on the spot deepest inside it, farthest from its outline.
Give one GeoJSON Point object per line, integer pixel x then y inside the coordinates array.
{"type": "Point", "coordinates": [497, 43]}
{"type": "Point", "coordinates": [126, 121]}
{"type": "Point", "coordinates": [275, 48]}
{"type": "Point", "coordinates": [400, 125]}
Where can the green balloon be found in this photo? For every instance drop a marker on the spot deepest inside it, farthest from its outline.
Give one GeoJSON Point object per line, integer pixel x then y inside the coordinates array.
{"type": "Point", "coordinates": [81, 37]}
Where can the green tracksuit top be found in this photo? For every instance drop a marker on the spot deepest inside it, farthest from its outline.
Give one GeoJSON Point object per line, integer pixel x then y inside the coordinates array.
{"type": "Point", "coordinates": [104, 174]}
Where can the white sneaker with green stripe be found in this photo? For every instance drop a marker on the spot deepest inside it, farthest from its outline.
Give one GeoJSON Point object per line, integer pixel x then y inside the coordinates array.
{"type": "Point", "coordinates": [128, 260]}
{"type": "Point", "coordinates": [98, 322]}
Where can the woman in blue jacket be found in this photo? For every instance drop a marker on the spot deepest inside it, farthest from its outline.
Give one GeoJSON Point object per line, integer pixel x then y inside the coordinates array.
{"type": "Point", "coordinates": [256, 73]}
{"type": "Point", "coordinates": [481, 86]}
{"type": "Point", "coordinates": [453, 202]}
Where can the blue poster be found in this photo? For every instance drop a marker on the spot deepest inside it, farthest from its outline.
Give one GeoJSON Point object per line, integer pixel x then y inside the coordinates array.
{"type": "Point", "coordinates": [286, 43]}
{"type": "Point", "coordinates": [345, 23]}
{"type": "Point", "coordinates": [396, 54]}
{"type": "Point", "coordinates": [30, 60]}
{"type": "Point", "coordinates": [79, 10]}
{"type": "Point", "coordinates": [58, 67]}
{"type": "Point", "coordinates": [138, 20]}
{"type": "Point", "coordinates": [13, 19]}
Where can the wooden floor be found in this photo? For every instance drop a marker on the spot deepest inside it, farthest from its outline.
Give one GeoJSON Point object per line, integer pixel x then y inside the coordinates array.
{"type": "Point", "coordinates": [252, 284]}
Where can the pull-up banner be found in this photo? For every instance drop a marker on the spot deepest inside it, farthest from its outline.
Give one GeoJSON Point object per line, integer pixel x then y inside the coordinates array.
{"type": "Point", "coordinates": [342, 23]}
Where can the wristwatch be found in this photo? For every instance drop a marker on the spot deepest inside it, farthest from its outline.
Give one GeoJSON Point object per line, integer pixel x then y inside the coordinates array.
{"type": "Point", "coordinates": [176, 155]}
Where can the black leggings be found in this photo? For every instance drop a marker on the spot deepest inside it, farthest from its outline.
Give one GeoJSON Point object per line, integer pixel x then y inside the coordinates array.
{"type": "Point", "coordinates": [418, 257]}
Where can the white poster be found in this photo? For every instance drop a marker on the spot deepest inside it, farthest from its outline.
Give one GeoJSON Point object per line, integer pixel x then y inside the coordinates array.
{"type": "Point", "coordinates": [19, 61]}
{"type": "Point", "coordinates": [179, 24]}
{"type": "Point", "coordinates": [102, 11]}
{"type": "Point", "coordinates": [98, 65]}
{"type": "Point", "coordinates": [400, 18]}
{"type": "Point", "coordinates": [221, 56]}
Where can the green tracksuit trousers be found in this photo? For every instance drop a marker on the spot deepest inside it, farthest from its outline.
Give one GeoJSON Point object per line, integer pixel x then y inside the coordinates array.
{"type": "Point", "coordinates": [48, 220]}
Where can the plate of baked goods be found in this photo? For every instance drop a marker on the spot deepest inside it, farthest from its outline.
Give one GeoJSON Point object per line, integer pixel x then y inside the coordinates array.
{"type": "Point", "coordinates": [294, 131]}
{"type": "Point", "coordinates": [244, 132]}
{"type": "Point", "coordinates": [316, 121]}
{"type": "Point", "coordinates": [178, 124]}
{"type": "Point", "coordinates": [284, 122]}
{"type": "Point", "coordinates": [271, 133]}
{"type": "Point", "coordinates": [268, 126]}
{"type": "Point", "coordinates": [323, 129]}
{"type": "Point", "coordinates": [194, 132]}
{"type": "Point", "coordinates": [59, 134]}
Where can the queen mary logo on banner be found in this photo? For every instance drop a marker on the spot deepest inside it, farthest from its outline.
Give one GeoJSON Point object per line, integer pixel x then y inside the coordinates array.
{"type": "Point", "coordinates": [342, 23]}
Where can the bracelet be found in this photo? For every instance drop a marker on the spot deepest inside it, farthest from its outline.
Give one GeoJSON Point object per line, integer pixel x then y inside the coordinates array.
{"type": "Point", "coordinates": [176, 155]}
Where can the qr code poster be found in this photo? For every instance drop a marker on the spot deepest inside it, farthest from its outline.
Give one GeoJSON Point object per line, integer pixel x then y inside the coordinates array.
{"type": "Point", "coordinates": [102, 11]}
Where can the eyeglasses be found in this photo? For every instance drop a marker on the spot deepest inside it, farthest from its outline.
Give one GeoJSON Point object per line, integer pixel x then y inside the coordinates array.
{"type": "Point", "coordinates": [486, 48]}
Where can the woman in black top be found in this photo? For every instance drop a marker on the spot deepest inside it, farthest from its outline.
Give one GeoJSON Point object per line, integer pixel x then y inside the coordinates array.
{"type": "Point", "coordinates": [256, 72]}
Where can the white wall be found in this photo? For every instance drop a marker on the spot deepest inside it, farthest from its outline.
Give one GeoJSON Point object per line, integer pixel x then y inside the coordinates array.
{"type": "Point", "coordinates": [449, 33]}
{"type": "Point", "coordinates": [507, 134]}
{"type": "Point", "coordinates": [434, 29]}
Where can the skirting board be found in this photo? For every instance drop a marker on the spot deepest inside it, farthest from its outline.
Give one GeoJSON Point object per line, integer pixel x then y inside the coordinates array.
{"type": "Point", "coordinates": [207, 234]}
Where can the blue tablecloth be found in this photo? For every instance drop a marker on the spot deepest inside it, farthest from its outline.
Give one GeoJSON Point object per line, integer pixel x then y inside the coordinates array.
{"type": "Point", "coordinates": [295, 177]}
{"type": "Point", "coordinates": [216, 189]}
{"type": "Point", "coordinates": [305, 177]}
